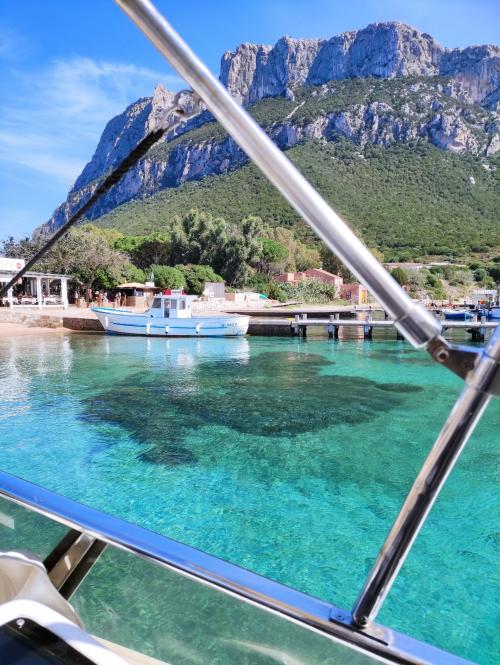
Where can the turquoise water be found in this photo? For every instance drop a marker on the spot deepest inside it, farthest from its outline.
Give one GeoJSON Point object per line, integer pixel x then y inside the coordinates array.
{"type": "Point", "coordinates": [286, 456]}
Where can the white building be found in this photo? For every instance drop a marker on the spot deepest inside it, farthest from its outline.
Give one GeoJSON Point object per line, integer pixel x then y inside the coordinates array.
{"type": "Point", "coordinates": [484, 296]}
{"type": "Point", "coordinates": [37, 288]}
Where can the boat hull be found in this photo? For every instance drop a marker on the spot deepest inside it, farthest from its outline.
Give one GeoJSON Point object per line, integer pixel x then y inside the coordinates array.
{"type": "Point", "coordinates": [495, 313]}
{"type": "Point", "coordinates": [459, 315]}
{"type": "Point", "coordinates": [123, 322]}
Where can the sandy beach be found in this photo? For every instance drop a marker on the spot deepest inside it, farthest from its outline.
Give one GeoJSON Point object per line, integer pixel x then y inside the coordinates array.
{"type": "Point", "coordinates": [8, 329]}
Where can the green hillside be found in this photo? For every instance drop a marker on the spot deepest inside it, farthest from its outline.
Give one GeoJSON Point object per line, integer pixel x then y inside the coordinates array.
{"type": "Point", "coordinates": [407, 200]}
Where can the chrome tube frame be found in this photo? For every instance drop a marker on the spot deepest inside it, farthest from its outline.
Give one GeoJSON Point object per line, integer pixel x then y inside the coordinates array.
{"type": "Point", "coordinates": [417, 324]}
{"type": "Point", "coordinates": [432, 476]}
{"type": "Point", "coordinates": [385, 645]}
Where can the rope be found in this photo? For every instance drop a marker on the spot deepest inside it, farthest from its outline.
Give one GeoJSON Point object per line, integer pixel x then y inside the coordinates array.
{"type": "Point", "coordinates": [115, 176]}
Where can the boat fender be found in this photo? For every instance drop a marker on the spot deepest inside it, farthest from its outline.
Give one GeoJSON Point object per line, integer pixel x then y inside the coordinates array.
{"type": "Point", "coordinates": [148, 328]}
{"type": "Point", "coordinates": [106, 323]}
{"type": "Point", "coordinates": [197, 328]}
{"type": "Point", "coordinates": [166, 329]}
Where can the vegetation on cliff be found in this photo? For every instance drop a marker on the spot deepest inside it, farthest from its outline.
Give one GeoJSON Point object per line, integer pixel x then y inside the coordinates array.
{"type": "Point", "coordinates": [406, 200]}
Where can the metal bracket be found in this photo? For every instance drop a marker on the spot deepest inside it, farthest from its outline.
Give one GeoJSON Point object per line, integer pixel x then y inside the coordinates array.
{"type": "Point", "coordinates": [372, 630]}
{"type": "Point", "coordinates": [459, 359]}
{"type": "Point", "coordinates": [462, 360]}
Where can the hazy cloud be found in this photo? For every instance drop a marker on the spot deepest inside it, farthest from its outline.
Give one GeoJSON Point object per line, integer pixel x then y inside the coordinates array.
{"type": "Point", "coordinates": [13, 45]}
{"type": "Point", "coordinates": [52, 119]}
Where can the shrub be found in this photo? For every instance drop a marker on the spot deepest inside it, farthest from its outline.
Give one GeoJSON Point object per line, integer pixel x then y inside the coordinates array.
{"type": "Point", "coordinates": [273, 251]}
{"type": "Point", "coordinates": [167, 277]}
{"type": "Point", "coordinates": [275, 292]}
{"type": "Point", "coordinates": [432, 281]}
{"type": "Point", "coordinates": [195, 277]}
{"type": "Point", "coordinates": [133, 274]}
{"type": "Point", "coordinates": [309, 291]}
{"type": "Point", "coordinates": [400, 275]}
{"type": "Point", "coordinates": [480, 274]}
{"type": "Point", "coordinates": [494, 273]}
{"type": "Point", "coordinates": [258, 282]}
{"type": "Point", "coordinates": [438, 292]}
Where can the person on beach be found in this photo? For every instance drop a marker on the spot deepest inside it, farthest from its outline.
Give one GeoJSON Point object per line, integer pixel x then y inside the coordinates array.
{"type": "Point", "coordinates": [124, 299]}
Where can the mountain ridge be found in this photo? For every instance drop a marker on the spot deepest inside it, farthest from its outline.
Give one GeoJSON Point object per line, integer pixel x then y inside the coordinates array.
{"type": "Point", "coordinates": [384, 50]}
{"type": "Point", "coordinates": [389, 106]}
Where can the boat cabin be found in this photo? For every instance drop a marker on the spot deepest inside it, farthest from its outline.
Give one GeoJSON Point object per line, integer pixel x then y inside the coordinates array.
{"type": "Point", "coordinates": [173, 305]}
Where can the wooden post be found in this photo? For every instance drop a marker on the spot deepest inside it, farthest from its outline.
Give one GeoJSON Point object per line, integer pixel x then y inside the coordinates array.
{"type": "Point", "coordinates": [330, 327]}
{"type": "Point", "coordinates": [368, 329]}
{"type": "Point", "coordinates": [336, 328]}
{"type": "Point", "coordinates": [295, 326]}
{"type": "Point", "coordinates": [304, 325]}
{"type": "Point", "coordinates": [482, 329]}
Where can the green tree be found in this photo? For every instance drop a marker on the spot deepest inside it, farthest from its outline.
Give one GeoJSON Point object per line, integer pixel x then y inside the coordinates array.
{"type": "Point", "coordinates": [334, 265]}
{"type": "Point", "coordinates": [110, 236]}
{"type": "Point", "coordinates": [152, 250]}
{"type": "Point", "coordinates": [133, 274]}
{"type": "Point", "coordinates": [128, 243]}
{"type": "Point", "coordinates": [195, 277]}
{"type": "Point", "coordinates": [480, 274]}
{"type": "Point", "coordinates": [400, 275]}
{"type": "Point", "coordinates": [273, 251]}
{"type": "Point", "coordinates": [199, 238]}
{"type": "Point", "coordinates": [167, 277]}
{"type": "Point", "coordinates": [272, 257]}
{"type": "Point", "coordinates": [81, 253]}
{"type": "Point", "coordinates": [242, 250]}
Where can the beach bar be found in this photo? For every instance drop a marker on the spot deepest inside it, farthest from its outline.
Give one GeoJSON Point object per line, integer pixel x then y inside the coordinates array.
{"type": "Point", "coordinates": [39, 289]}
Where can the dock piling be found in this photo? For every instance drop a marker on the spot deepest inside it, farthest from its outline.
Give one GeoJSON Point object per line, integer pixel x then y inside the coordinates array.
{"type": "Point", "coordinates": [304, 325]}
{"type": "Point", "coordinates": [367, 328]}
{"type": "Point", "coordinates": [330, 327]}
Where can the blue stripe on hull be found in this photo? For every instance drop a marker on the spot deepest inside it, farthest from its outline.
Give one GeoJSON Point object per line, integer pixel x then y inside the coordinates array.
{"type": "Point", "coordinates": [140, 325]}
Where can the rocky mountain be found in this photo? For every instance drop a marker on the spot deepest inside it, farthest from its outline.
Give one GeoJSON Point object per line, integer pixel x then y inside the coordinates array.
{"type": "Point", "coordinates": [382, 50]}
{"type": "Point", "coordinates": [384, 85]}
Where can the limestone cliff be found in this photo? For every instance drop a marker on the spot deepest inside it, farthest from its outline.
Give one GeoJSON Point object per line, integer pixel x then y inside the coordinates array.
{"type": "Point", "coordinates": [384, 84]}
{"type": "Point", "coordinates": [382, 50]}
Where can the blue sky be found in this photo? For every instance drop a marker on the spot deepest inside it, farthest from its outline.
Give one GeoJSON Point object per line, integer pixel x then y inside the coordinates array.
{"type": "Point", "coordinates": [68, 66]}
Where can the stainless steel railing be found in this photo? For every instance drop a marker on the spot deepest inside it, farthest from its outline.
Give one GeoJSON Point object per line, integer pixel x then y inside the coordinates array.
{"type": "Point", "coordinates": [418, 325]}
{"type": "Point", "coordinates": [384, 644]}
{"type": "Point", "coordinates": [432, 476]}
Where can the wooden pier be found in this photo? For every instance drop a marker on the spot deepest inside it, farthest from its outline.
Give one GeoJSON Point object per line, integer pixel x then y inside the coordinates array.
{"type": "Point", "coordinates": [299, 325]}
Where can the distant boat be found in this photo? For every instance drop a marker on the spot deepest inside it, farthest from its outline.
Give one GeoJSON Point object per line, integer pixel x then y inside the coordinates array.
{"type": "Point", "coordinates": [458, 314]}
{"type": "Point", "coordinates": [494, 313]}
{"type": "Point", "coordinates": [170, 316]}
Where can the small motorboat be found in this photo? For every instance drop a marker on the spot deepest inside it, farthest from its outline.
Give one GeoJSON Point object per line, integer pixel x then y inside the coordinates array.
{"type": "Point", "coordinates": [458, 314]}
{"type": "Point", "coordinates": [170, 315]}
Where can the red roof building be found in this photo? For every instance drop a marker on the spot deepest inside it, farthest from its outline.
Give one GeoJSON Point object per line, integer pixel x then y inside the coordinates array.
{"type": "Point", "coordinates": [317, 274]}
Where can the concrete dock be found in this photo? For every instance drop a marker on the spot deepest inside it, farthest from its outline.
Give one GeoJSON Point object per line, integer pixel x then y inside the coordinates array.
{"type": "Point", "coordinates": [276, 321]}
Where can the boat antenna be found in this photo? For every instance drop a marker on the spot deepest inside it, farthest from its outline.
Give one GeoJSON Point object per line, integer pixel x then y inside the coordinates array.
{"type": "Point", "coordinates": [183, 110]}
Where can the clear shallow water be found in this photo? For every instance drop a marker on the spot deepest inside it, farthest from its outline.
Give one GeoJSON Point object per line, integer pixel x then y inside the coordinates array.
{"type": "Point", "coordinates": [286, 456]}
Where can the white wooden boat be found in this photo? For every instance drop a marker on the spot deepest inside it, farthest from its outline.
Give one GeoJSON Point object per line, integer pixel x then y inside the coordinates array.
{"type": "Point", "coordinates": [170, 316]}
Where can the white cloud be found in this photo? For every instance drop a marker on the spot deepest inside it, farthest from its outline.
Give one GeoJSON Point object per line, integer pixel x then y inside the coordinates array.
{"type": "Point", "coordinates": [51, 120]}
